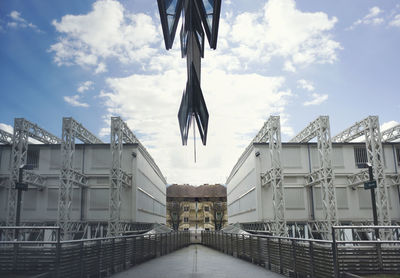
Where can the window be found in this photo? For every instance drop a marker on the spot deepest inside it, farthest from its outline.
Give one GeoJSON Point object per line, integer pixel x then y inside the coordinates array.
{"type": "Point", "coordinates": [207, 220]}
{"type": "Point", "coordinates": [360, 155]}
{"type": "Point", "coordinates": [186, 219]}
{"type": "Point", "coordinates": [186, 208]}
{"type": "Point", "coordinates": [218, 215]}
{"type": "Point", "coordinates": [186, 229]}
{"type": "Point", "coordinates": [206, 208]}
{"type": "Point", "coordinates": [398, 156]}
{"type": "Point", "coordinates": [33, 158]}
{"type": "Point", "coordinates": [207, 229]}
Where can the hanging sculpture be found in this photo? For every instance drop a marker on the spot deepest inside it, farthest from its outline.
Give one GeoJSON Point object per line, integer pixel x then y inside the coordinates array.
{"type": "Point", "coordinates": [198, 17]}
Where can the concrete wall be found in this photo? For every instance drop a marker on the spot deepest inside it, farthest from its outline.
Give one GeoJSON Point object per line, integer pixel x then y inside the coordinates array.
{"type": "Point", "coordinates": [91, 203]}
{"type": "Point", "coordinates": [299, 160]}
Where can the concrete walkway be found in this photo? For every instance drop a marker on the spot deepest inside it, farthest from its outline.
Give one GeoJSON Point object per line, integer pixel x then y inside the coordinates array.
{"type": "Point", "coordinates": [197, 261]}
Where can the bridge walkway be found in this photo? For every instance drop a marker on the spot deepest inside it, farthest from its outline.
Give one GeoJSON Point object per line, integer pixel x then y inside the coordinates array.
{"type": "Point", "coordinates": [197, 261]}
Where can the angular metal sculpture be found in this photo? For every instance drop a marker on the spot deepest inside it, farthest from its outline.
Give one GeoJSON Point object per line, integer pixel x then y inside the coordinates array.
{"type": "Point", "coordinates": [199, 17]}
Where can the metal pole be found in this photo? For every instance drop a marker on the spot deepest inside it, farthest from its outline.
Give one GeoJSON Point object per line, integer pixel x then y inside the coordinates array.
{"type": "Point", "coordinates": [58, 252]}
{"type": "Point", "coordinates": [334, 254]}
{"type": "Point", "coordinates": [374, 211]}
{"type": "Point", "coordinates": [18, 216]}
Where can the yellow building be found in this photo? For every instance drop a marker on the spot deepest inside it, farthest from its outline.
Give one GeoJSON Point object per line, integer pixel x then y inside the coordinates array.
{"type": "Point", "coordinates": [196, 207]}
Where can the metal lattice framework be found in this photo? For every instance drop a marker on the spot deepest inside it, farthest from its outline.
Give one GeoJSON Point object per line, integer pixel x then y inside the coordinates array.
{"type": "Point", "coordinates": [120, 133]}
{"type": "Point", "coordinates": [324, 176]}
{"type": "Point", "coordinates": [5, 137]}
{"type": "Point", "coordinates": [69, 177]}
{"type": "Point", "coordinates": [373, 141]}
{"type": "Point", "coordinates": [391, 134]}
{"type": "Point", "coordinates": [23, 129]}
{"type": "Point", "coordinates": [271, 133]}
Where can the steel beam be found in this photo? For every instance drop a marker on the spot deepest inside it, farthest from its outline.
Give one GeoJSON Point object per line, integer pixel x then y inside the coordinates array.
{"type": "Point", "coordinates": [391, 134]}
{"type": "Point", "coordinates": [320, 128]}
{"type": "Point", "coordinates": [69, 177]}
{"type": "Point", "coordinates": [36, 180]}
{"type": "Point", "coordinates": [120, 133]}
{"type": "Point", "coordinates": [369, 127]}
{"type": "Point", "coordinates": [5, 137]}
{"type": "Point", "coordinates": [271, 133]}
{"type": "Point", "coordinates": [23, 129]}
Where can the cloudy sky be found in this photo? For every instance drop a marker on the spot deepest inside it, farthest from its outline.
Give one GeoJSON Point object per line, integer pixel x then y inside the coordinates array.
{"type": "Point", "coordinates": [298, 59]}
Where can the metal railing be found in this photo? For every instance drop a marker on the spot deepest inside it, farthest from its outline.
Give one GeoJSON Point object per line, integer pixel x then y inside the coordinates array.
{"type": "Point", "coordinates": [295, 257]}
{"type": "Point", "coordinates": [97, 257]}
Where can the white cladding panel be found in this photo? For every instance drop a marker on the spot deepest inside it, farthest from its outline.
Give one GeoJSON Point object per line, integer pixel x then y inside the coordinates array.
{"type": "Point", "coordinates": [297, 162]}
{"type": "Point", "coordinates": [150, 191]}
{"type": "Point", "coordinates": [94, 161]}
{"type": "Point", "coordinates": [241, 192]}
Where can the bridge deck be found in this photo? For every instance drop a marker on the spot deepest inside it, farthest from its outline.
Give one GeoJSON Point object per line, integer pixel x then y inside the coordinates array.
{"type": "Point", "coordinates": [197, 261]}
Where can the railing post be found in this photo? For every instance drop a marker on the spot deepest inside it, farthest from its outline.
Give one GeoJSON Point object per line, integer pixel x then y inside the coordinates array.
{"type": "Point", "coordinates": [258, 251]}
{"type": "Point", "coordinates": [81, 257]}
{"type": "Point", "coordinates": [334, 254]}
{"type": "Point", "coordinates": [294, 257]}
{"type": "Point", "coordinates": [280, 256]}
{"type": "Point", "coordinates": [124, 263]}
{"type": "Point", "coordinates": [379, 252]}
{"type": "Point", "coordinates": [269, 253]}
{"type": "Point", "coordinates": [237, 245]}
{"type": "Point", "coordinates": [251, 249]}
{"type": "Point", "coordinates": [58, 252]}
{"type": "Point", "coordinates": [113, 255]}
{"type": "Point", "coordinates": [311, 250]}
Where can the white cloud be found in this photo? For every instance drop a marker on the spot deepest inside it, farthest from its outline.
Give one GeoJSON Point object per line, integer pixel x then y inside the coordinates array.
{"type": "Point", "coordinates": [75, 101]}
{"type": "Point", "coordinates": [18, 22]}
{"type": "Point", "coordinates": [108, 31]}
{"type": "Point", "coordinates": [388, 125]}
{"type": "Point", "coordinates": [238, 105]}
{"type": "Point", "coordinates": [395, 22]}
{"type": "Point", "coordinates": [317, 99]}
{"type": "Point", "coordinates": [372, 18]}
{"type": "Point", "coordinates": [302, 38]}
{"type": "Point", "coordinates": [7, 128]}
{"type": "Point", "coordinates": [306, 85]}
{"type": "Point", "coordinates": [87, 85]}
{"type": "Point", "coordinates": [288, 66]}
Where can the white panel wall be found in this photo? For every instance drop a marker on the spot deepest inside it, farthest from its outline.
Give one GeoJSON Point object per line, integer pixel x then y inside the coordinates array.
{"type": "Point", "coordinates": [297, 161]}
{"type": "Point", "coordinates": [95, 162]}
{"type": "Point", "coordinates": [241, 191]}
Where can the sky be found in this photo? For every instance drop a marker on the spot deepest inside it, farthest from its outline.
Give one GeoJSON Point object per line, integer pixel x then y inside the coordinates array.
{"type": "Point", "coordinates": [91, 60]}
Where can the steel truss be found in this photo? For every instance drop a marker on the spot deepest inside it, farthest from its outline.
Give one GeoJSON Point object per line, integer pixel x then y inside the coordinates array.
{"type": "Point", "coordinates": [391, 134]}
{"type": "Point", "coordinates": [5, 137]}
{"type": "Point", "coordinates": [120, 133]}
{"type": "Point", "coordinates": [271, 133]}
{"type": "Point", "coordinates": [320, 128]}
{"type": "Point", "coordinates": [23, 129]}
{"type": "Point", "coordinates": [69, 177]}
{"type": "Point", "coordinates": [373, 141]}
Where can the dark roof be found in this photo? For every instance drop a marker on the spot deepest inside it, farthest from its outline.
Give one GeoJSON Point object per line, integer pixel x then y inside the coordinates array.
{"type": "Point", "coordinates": [202, 191]}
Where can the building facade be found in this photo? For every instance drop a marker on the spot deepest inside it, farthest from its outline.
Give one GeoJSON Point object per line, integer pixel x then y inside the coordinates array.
{"type": "Point", "coordinates": [305, 172]}
{"type": "Point", "coordinates": [196, 208]}
{"type": "Point", "coordinates": [114, 183]}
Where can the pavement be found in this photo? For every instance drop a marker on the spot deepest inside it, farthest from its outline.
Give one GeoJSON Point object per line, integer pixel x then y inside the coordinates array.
{"type": "Point", "coordinates": [196, 261]}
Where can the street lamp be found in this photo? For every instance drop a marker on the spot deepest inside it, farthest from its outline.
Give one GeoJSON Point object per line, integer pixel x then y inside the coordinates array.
{"type": "Point", "coordinates": [371, 184]}
{"type": "Point", "coordinates": [20, 186]}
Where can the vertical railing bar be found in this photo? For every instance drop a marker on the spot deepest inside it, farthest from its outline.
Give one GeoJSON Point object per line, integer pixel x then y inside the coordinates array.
{"type": "Point", "coordinates": [311, 250]}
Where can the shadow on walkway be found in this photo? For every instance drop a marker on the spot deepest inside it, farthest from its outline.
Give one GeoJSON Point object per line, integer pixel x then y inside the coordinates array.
{"type": "Point", "coordinates": [197, 261]}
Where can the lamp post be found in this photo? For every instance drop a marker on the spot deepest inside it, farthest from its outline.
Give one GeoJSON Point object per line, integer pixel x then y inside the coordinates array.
{"type": "Point", "coordinates": [371, 184]}
{"type": "Point", "coordinates": [20, 186]}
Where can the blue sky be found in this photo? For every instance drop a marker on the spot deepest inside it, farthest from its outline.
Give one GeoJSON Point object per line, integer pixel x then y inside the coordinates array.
{"type": "Point", "coordinates": [94, 59]}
